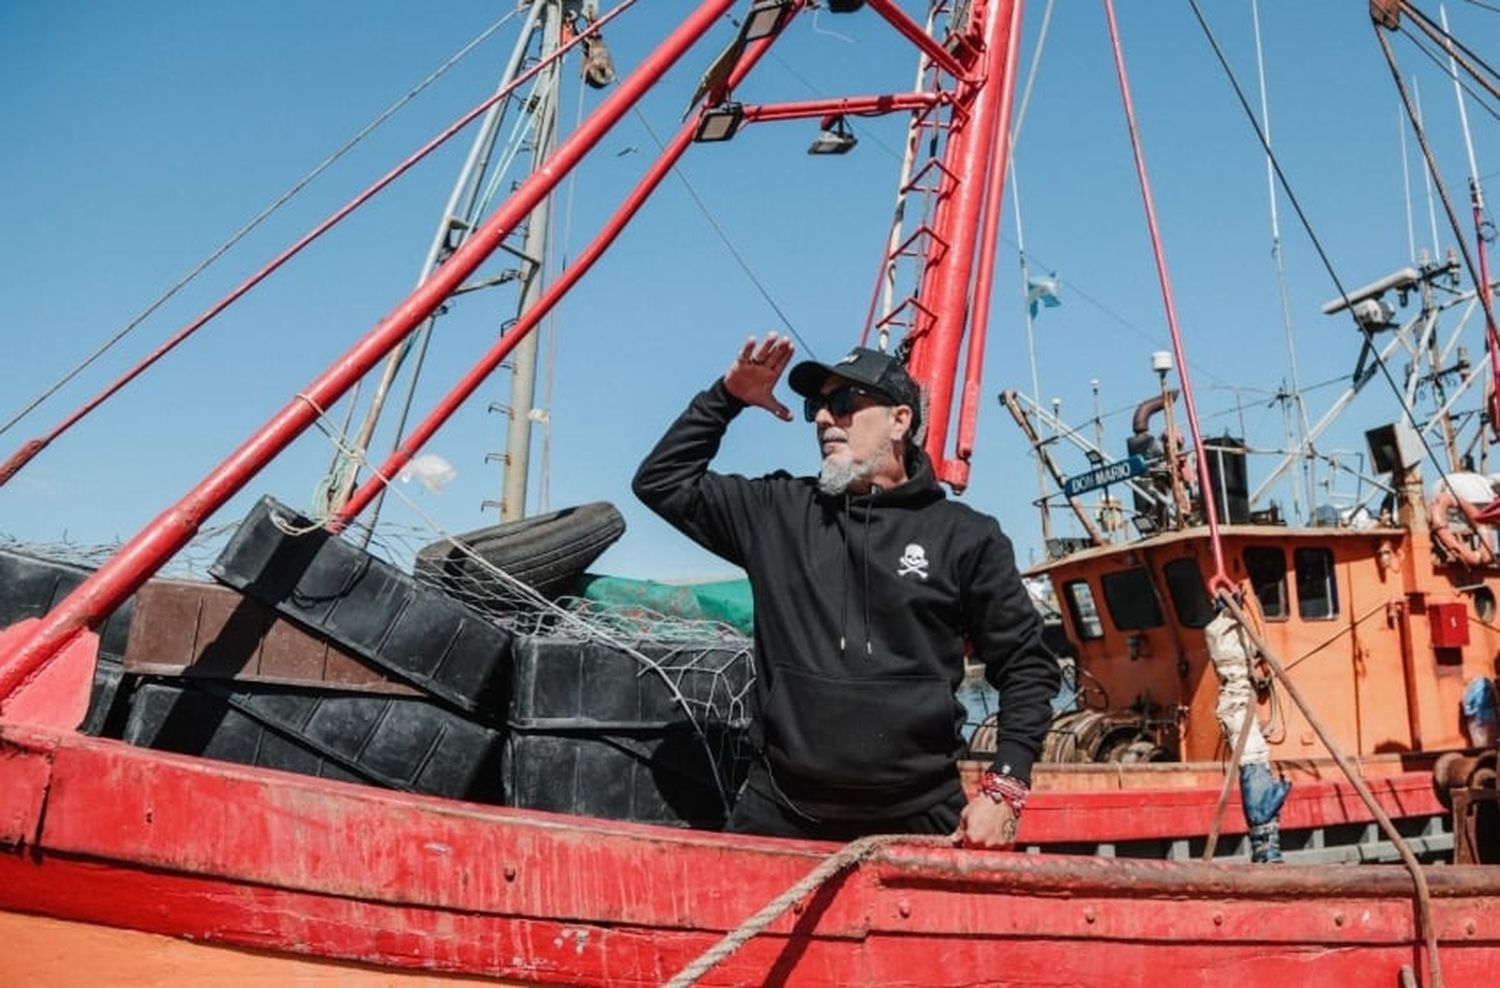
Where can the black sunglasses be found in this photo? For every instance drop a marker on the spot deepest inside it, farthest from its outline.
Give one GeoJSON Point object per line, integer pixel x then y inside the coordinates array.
{"type": "Point", "coordinates": [839, 401]}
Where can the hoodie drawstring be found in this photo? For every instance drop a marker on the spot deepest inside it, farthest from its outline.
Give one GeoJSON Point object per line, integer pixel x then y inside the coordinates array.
{"type": "Point", "coordinates": [844, 581]}
{"type": "Point", "coordinates": [869, 500]}
{"type": "Point", "coordinates": [870, 503]}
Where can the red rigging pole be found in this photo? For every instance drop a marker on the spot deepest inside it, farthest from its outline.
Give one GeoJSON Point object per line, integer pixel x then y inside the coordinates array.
{"type": "Point", "coordinates": [979, 59]}
{"type": "Point", "coordinates": [952, 298]}
{"type": "Point", "coordinates": [533, 316]}
{"type": "Point", "coordinates": [148, 551]}
{"type": "Point", "coordinates": [28, 450]}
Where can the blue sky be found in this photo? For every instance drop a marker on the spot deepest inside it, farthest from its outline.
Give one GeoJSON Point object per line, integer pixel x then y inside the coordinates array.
{"type": "Point", "coordinates": [139, 136]}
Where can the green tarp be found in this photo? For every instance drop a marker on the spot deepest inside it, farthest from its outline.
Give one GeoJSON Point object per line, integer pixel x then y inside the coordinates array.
{"type": "Point", "coordinates": [725, 601]}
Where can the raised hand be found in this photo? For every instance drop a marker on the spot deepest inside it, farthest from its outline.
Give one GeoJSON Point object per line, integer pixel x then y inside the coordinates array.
{"type": "Point", "coordinates": [753, 375]}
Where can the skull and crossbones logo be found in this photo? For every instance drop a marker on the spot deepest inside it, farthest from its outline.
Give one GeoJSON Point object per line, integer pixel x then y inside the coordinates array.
{"type": "Point", "coordinates": [913, 562]}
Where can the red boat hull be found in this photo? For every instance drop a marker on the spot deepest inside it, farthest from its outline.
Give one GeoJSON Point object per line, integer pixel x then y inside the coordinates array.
{"type": "Point", "coordinates": [100, 833]}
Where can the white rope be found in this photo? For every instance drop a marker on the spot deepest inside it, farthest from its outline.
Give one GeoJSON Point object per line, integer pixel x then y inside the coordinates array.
{"type": "Point", "coordinates": [847, 856]}
{"type": "Point", "coordinates": [1036, 61]}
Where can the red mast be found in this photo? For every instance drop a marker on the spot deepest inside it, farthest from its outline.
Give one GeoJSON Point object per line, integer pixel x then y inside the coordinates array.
{"type": "Point", "coordinates": [977, 60]}
{"type": "Point", "coordinates": [952, 297]}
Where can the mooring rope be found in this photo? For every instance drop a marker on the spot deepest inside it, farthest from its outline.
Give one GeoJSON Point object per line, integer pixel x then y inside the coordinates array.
{"type": "Point", "coordinates": [1419, 880]}
{"type": "Point", "coordinates": [1230, 772]}
{"type": "Point", "coordinates": [848, 856]}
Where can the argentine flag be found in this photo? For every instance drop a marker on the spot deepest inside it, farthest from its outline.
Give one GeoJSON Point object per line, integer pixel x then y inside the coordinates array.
{"type": "Point", "coordinates": [1040, 292]}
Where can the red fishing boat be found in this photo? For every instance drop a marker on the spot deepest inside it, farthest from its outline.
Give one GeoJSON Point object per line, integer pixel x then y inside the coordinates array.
{"type": "Point", "coordinates": [127, 863]}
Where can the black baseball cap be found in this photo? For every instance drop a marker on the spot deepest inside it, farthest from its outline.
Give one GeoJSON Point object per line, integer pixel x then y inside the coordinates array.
{"type": "Point", "coordinates": [872, 370]}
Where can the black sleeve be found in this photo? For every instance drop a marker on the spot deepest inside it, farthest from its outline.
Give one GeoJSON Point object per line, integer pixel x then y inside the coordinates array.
{"type": "Point", "coordinates": [674, 480]}
{"type": "Point", "coordinates": [1006, 630]}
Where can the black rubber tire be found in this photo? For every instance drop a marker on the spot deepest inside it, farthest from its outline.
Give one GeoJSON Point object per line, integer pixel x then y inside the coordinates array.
{"type": "Point", "coordinates": [546, 552]}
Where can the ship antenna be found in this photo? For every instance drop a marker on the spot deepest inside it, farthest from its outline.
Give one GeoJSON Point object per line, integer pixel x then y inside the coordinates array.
{"type": "Point", "coordinates": [1302, 442]}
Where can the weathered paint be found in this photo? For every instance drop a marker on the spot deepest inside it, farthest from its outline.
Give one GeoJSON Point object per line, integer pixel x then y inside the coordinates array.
{"type": "Point", "coordinates": [1177, 802]}
{"type": "Point", "coordinates": [1381, 682]}
{"type": "Point", "coordinates": [264, 861]}
{"type": "Point", "coordinates": [51, 953]}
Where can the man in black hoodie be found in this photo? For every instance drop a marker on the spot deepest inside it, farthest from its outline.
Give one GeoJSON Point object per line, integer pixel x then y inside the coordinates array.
{"type": "Point", "coordinates": [869, 586]}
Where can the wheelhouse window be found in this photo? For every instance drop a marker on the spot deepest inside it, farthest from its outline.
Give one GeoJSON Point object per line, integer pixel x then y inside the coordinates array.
{"type": "Point", "coordinates": [1082, 609]}
{"type": "Point", "coordinates": [1317, 590]}
{"type": "Point", "coordinates": [1267, 569]}
{"type": "Point", "coordinates": [1189, 595]}
{"type": "Point", "coordinates": [1131, 600]}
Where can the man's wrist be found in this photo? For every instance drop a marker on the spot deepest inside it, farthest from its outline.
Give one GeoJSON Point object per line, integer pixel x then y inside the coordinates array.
{"type": "Point", "coordinates": [1005, 789]}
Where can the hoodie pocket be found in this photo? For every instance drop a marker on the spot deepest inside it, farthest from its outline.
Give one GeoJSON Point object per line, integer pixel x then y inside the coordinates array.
{"type": "Point", "coordinates": [873, 733]}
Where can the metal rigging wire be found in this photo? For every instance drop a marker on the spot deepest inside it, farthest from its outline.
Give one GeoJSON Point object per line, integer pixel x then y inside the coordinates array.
{"type": "Point", "coordinates": [1423, 897]}
{"type": "Point", "coordinates": [1452, 44]}
{"type": "Point", "coordinates": [255, 221]}
{"type": "Point", "coordinates": [739, 258]}
{"type": "Point", "coordinates": [1421, 132]}
{"type": "Point", "coordinates": [1309, 479]}
{"type": "Point", "coordinates": [1433, 57]}
{"type": "Point", "coordinates": [1302, 217]}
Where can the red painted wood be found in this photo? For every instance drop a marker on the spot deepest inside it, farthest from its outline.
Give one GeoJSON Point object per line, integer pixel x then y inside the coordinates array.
{"type": "Point", "coordinates": [253, 858]}
{"type": "Point", "coordinates": [1169, 936]}
{"type": "Point", "coordinates": [24, 771]}
{"type": "Point", "coordinates": [184, 814]}
{"type": "Point", "coordinates": [58, 694]}
{"type": "Point", "coordinates": [1129, 814]}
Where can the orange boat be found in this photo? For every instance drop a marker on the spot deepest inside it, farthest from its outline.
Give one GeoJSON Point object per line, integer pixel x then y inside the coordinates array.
{"type": "Point", "coordinates": [128, 864]}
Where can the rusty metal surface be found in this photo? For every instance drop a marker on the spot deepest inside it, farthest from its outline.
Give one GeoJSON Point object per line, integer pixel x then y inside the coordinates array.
{"type": "Point", "coordinates": [1476, 825]}
{"type": "Point", "coordinates": [208, 631]}
{"type": "Point", "coordinates": [1461, 770]}
{"type": "Point", "coordinates": [1386, 13]}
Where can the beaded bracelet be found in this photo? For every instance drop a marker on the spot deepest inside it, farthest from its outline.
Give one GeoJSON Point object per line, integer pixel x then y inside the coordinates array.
{"type": "Point", "coordinates": [1005, 789]}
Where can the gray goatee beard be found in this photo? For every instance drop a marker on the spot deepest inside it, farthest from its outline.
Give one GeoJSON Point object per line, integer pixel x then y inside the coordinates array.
{"type": "Point", "coordinates": [836, 475]}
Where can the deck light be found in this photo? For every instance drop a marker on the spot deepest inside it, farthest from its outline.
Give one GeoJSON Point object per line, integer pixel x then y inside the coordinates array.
{"type": "Point", "coordinates": [718, 123]}
{"type": "Point", "coordinates": [836, 137]}
{"type": "Point", "coordinates": [767, 17]}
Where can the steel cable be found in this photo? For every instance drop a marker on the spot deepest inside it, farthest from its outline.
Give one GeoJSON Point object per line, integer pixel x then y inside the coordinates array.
{"type": "Point", "coordinates": [256, 220]}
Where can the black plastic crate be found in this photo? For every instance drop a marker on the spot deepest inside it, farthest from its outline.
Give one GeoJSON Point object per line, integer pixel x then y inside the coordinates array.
{"type": "Point", "coordinates": [107, 707]}
{"type": "Point", "coordinates": [407, 628]}
{"type": "Point", "coordinates": [563, 683]}
{"type": "Point", "coordinates": [401, 743]}
{"type": "Point", "coordinates": [31, 585]}
{"type": "Point", "coordinates": [596, 731]}
{"type": "Point", "coordinates": [665, 775]}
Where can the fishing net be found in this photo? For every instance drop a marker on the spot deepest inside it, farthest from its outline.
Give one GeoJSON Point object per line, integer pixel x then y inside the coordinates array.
{"type": "Point", "coordinates": [694, 673]}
